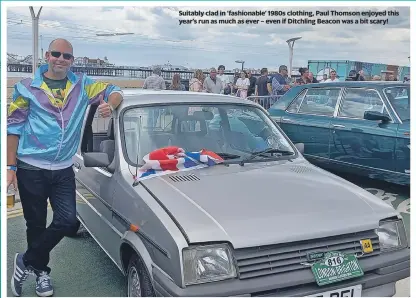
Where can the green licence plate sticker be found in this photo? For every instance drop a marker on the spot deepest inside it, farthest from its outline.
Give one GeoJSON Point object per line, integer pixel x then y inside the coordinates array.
{"type": "Point", "coordinates": [334, 267]}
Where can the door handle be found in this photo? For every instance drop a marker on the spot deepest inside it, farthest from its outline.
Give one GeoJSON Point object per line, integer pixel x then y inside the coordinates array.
{"type": "Point", "coordinates": [287, 120]}
{"type": "Point", "coordinates": [338, 126]}
{"type": "Point", "coordinates": [77, 166]}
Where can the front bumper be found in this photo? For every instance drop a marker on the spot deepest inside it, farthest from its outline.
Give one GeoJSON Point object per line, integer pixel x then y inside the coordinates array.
{"type": "Point", "coordinates": [381, 274]}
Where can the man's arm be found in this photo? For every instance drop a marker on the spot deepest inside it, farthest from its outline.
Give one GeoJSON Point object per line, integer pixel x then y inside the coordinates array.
{"type": "Point", "coordinates": [16, 118]}
{"type": "Point", "coordinates": [96, 91]}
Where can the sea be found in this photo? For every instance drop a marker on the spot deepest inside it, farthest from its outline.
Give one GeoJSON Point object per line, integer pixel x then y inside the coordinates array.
{"type": "Point", "coordinates": [26, 75]}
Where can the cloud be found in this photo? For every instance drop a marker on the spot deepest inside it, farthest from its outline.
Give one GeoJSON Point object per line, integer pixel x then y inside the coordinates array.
{"type": "Point", "coordinates": [158, 37]}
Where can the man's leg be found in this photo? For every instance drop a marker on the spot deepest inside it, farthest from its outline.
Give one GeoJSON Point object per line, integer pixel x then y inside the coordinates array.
{"type": "Point", "coordinates": [62, 199]}
{"type": "Point", "coordinates": [33, 191]}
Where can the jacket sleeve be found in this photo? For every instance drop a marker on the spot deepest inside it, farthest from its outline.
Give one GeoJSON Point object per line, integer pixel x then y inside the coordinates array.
{"type": "Point", "coordinates": [94, 89]}
{"type": "Point", "coordinates": [17, 113]}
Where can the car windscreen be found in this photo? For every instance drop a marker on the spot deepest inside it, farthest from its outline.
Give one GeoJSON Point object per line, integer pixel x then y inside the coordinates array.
{"type": "Point", "coordinates": [236, 131]}
{"type": "Point", "coordinates": [399, 98]}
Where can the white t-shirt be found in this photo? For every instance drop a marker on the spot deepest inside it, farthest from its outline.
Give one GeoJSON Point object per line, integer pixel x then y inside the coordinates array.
{"type": "Point", "coordinates": [241, 83]}
{"type": "Point", "coordinates": [224, 79]}
{"type": "Point", "coordinates": [330, 81]}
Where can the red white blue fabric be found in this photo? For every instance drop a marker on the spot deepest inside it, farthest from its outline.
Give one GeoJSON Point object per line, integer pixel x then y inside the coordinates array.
{"type": "Point", "coordinates": [172, 159]}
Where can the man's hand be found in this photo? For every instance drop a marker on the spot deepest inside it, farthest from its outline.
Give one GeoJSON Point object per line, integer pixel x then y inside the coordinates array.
{"type": "Point", "coordinates": [11, 179]}
{"type": "Point", "coordinates": [104, 108]}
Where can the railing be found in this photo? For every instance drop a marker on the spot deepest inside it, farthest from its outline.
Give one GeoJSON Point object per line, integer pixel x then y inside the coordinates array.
{"type": "Point", "coordinates": [265, 101]}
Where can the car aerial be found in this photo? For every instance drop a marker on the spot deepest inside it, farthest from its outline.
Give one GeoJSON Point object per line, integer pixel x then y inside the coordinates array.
{"type": "Point", "coordinates": [352, 127]}
{"type": "Point", "coordinates": [261, 221]}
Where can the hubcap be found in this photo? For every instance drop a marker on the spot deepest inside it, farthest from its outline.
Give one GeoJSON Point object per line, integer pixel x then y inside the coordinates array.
{"type": "Point", "coordinates": [134, 289]}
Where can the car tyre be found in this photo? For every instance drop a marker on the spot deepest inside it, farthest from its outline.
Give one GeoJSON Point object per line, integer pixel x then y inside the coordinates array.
{"type": "Point", "coordinates": [139, 283]}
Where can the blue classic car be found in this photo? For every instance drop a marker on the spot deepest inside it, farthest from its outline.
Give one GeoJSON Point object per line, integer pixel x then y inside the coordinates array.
{"type": "Point", "coordinates": [357, 127]}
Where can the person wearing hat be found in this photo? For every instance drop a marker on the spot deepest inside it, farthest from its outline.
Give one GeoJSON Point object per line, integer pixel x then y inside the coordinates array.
{"type": "Point", "coordinates": [212, 84]}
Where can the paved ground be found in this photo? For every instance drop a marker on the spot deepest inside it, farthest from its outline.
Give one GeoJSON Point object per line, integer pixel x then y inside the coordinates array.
{"type": "Point", "coordinates": [81, 268]}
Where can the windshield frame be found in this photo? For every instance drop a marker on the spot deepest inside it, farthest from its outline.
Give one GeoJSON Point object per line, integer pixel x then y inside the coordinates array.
{"type": "Point", "coordinates": [225, 103]}
{"type": "Point", "coordinates": [407, 86]}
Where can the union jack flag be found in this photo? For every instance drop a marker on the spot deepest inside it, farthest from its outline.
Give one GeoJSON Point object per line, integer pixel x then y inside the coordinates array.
{"type": "Point", "coordinates": [172, 159]}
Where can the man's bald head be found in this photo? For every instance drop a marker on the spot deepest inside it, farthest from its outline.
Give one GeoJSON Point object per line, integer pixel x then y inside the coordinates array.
{"type": "Point", "coordinates": [61, 42]}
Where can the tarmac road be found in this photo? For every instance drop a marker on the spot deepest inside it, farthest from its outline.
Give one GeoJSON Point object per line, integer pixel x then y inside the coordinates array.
{"type": "Point", "coordinates": [81, 268]}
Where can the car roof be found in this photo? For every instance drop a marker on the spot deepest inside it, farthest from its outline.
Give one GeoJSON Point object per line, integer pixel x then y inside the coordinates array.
{"type": "Point", "coordinates": [373, 84]}
{"type": "Point", "coordinates": [145, 96]}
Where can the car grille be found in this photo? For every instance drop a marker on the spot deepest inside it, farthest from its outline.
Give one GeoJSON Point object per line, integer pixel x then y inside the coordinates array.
{"type": "Point", "coordinates": [273, 259]}
{"type": "Point", "coordinates": [184, 178]}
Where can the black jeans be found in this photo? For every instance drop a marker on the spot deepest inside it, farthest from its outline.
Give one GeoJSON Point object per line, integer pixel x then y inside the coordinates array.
{"type": "Point", "coordinates": [35, 187]}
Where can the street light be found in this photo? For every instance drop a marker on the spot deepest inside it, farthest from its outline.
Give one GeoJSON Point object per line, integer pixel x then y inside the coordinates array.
{"type": "Point", "coordinates": [291, 43]}
{"type": "Point", "coordinates": [242, 63]}
{"type": "Point", "coordinates": [35, 32]}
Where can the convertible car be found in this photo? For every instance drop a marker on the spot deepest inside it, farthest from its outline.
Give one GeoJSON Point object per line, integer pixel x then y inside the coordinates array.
{"type": "Point", "coordinates": [232, 209]}
{"type": "Point", "coordinates": [361, 128]}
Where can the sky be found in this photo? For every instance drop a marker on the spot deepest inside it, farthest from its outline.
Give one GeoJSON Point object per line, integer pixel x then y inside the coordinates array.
{"type": "Point", "coordinates": [158, 38]}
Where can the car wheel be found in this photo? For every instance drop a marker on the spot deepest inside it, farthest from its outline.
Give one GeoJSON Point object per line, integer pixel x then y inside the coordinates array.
{"type": "Point", "coordinates": [138, 280]}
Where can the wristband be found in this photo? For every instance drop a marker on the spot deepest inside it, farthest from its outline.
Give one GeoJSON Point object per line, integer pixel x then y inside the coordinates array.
{"type": "Point", "coordinates": [13, 168]}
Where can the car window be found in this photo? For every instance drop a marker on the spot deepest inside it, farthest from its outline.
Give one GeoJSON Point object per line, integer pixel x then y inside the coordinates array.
{"type": "Point", "coordinates": [95, 130]}
{"type": "Point", "coordinates": [320, 101]}
{"type": "Point", "coordinates": [233, 129]}
{"type": "Point", "coordinates": [294, 106]}
{"type": "Point", "coordinates": [399, 98]}
{"type": "Point", "coordinates": [357, 101]}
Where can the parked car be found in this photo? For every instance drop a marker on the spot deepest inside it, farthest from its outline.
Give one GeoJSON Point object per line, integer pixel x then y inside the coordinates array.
{"type": "Point", "coordinates": [361, 128]}
{"type": "Point", "coordinates": [264, 221]}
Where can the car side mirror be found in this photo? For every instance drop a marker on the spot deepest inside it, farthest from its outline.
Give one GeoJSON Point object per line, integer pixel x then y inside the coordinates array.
{"type": "Point", "coordinates": [300, 147]}
{"type": "Point", "coordinates": [376, 116]}
{"type": "Point", "coordinates": [96, 159]}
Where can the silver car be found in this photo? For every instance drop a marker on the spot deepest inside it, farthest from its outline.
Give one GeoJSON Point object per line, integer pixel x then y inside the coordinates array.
{"type": "Point", "coordinates": [264, 222]}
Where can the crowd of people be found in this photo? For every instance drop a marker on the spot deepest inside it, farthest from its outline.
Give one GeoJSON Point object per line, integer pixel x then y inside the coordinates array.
{"type": "Point", "coordinates": [244, 84]}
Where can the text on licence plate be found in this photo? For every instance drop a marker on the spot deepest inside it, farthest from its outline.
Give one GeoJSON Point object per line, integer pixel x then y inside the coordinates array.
{"type": "Point", "coordinates": [354, 291]}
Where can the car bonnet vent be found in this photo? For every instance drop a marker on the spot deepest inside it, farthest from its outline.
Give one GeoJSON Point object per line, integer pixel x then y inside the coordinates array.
{"type": "Point", "coordinates": [184, 178]}
{"type": "Point", "coordinates": [300, 169]}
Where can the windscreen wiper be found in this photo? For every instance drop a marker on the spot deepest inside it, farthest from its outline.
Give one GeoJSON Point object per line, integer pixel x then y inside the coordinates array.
{"type": "Point", "coordinates": [226, 155]}
{"type": "Point", "coordinates": [265, 151]}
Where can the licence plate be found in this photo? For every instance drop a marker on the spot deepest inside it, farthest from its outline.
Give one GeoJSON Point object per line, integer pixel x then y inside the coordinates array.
{"type": "Point", "coordinates": [334, 267]}
{"type": "Point", "coordinates": [354, 291]}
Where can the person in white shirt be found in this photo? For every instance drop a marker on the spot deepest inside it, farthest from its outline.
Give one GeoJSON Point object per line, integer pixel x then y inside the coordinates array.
{"type": "Point", "coordinates": [242, 85]}
{"type": "Point", "coordinates": [332, 77]}
{"type": "Point", "coordinates": [225, 79]}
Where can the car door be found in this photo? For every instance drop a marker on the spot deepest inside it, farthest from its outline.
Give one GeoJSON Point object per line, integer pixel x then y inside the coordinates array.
{"type": "Point", "coordinates": [307, 120]}
{"type": "Point", "coordinates": [95, 186]}
{"type": "Point", "coordinates": [359, 142]}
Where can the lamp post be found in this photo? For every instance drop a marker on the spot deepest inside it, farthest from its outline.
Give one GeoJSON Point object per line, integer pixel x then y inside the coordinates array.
{"type": "Point", "coordinates": [242, 63]}
{"type": "Point", "coordinates": [291, 43]}
{"type": "Point", "coordinates": [35, 37]}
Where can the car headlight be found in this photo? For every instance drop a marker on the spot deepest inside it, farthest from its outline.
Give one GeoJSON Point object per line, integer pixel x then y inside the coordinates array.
{"type": "Point", "coordinates": [202, 264]}
{"type": "Point", "coordinates": [392, 235]}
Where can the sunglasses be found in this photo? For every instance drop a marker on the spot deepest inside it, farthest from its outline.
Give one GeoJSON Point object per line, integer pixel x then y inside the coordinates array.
{"type": "Point", "coordinates": [57, 54]}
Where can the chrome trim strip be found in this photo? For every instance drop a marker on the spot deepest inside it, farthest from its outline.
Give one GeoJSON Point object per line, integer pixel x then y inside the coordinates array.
{"type": "Point", "coordinates": [356, 165]}
{"type": "Point", "coordinates": [98, 213]}
{"type": "Point", "coordinates": [99, 244]}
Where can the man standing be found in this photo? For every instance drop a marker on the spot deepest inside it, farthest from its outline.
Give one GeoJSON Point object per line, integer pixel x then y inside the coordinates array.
{"type": "Point", "coordinates": [155, 81]}
{"type": "Point", "coordinates": [212, 84]}
{"type": "Point", "coordinates": [225, 79]}
{"type": "Point", "coordinates": [263, 86]}
{"type": "Point", "coordinates": [43, 133]}
{"type": "Point", "coordinates": [279, 81]}
{"type": "Point", "coordinates": [252, 87]}
{"type": "Point", "coordinates": [332, 77]}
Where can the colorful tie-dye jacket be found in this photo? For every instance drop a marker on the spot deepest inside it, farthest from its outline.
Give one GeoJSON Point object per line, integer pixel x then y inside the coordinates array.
{"type": "Point", "coordinates": [50, 130]}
